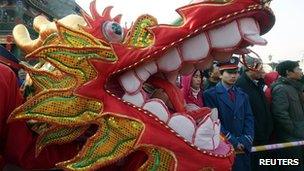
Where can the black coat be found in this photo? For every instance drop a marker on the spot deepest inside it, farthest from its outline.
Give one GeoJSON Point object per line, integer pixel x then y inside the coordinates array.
{"type": "Point", "coordinates": [288, 109]}
{"type": "Point", "coordinates": [260, 108]}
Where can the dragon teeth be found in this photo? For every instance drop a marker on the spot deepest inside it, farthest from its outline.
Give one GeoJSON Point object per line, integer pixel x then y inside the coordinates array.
{"type": "Point", "coordinates": [207, 135]}
{"type": "Point", "coordinates": [227, 36]}
{"type": "Point", "coordinates": [142, 73]}
{"type": "Point", "coordinates": [130, 82]}
{"type": "Point", "coordinates": [184, 125]}
{"type": "Point", "coordinates": [250, 31]}
{"type": "Point", "coordinates": [158, 108]}
{"type": "Point", "coordinates": [255, 39]}
{"type": "Point", "coordinates": [170, 61]}
{"type": "Point", "coordinates": [195, 48]}
{"type": "Point", "coordinates": [196, 52]}
{"type": "Point", "coordinates": [137, 99]}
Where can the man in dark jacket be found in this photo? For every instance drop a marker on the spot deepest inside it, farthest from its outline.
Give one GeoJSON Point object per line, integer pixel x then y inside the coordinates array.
{"type": "Point", "coordinates": [288, 110]}
{"type": "Point", "coordinates": [234, 112]}
{"type": "Point", "coordinates": [251, 82]}
{"type": "Point", "coordinates": [212, 75]}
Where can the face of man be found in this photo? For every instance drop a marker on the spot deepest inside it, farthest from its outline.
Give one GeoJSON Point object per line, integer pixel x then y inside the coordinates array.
{"type": "Point", "coordinates": [258, 73]}
{"type": "Point", "coordinates": [215, 74]}
{"type": "Point", "coordinates": [295, 74]}
{"type": "Point", "coordinates": [230, 76]}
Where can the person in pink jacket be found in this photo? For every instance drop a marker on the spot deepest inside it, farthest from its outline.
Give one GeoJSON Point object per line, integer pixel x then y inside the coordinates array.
{"type": "Point", "coordinates": [192, 89]}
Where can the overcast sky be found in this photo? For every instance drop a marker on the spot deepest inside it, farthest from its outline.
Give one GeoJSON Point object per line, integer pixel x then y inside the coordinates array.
{"type": "Point", "coordinates": [285, 40]}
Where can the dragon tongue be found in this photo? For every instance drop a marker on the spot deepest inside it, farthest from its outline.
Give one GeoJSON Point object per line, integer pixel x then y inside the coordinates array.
{"type": "Point", "coordinates": [174, 93]}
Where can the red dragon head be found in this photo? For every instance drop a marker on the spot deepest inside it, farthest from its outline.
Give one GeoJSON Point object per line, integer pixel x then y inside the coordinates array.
{"type": "Point", "coordinates": [99, 70]}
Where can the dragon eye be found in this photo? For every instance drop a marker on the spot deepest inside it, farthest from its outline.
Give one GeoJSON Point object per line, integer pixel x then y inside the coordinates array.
{"type": "Point", "coordinates": [112, 31]}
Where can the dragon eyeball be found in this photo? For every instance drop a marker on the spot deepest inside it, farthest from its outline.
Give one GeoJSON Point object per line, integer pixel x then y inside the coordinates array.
{"type": "Point", "coordinates": [112, 31]}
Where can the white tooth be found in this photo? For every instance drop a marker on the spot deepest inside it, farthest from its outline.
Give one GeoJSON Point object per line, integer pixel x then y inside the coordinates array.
{"type": "Point", "coordinates": [195, 48]}
{"type": "Point", "coordinates": [248, 26]}
{"type": "Point", "coordinates": [130, 82]}
{"type": "Point", "coordinates": [142, 73]}
{"type": "Point", "coordinates": [221, 56]}
{"type": "Point", "coordinates": [184, 125]}
{"type": "Point", "coordinates": [151, 67]}
{"type": "Point", "coordinates": [255, 39]}
{"type": "Point", "coordinates": [207, 135]}
{"type": "Point", "coordinates": [187, 69]}
{"type": "Point", "coordinates": [158, 108]}
{"type": "Point", "coordinates": [171, 61]}
{"type": "Point", "coordinates": [227, 36]}
{"type": "Point", "coordinates": [205, 64]}
{"type": "Point", "coordinates": [137, 99]}
{"type": "Point", "coordinates": [251, 31]}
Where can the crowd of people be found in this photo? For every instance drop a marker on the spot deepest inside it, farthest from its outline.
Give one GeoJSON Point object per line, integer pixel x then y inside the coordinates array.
{"type": "Point", "coordinates": [255, 108]}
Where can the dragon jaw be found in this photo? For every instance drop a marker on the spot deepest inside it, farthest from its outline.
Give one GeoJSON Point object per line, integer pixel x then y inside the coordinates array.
{"type": "Point", "coordinates": [194, 53]}
{"type": "Point", "coordinates": [169, 50]}
{"type": "Point", "coordinates": [196, 50]}
{"type": "Point", "coordinates": [179, 50]}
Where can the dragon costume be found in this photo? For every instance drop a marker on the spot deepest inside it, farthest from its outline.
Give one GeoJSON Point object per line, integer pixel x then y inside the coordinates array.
{"type": "Point", "coordinates": [91, 76]}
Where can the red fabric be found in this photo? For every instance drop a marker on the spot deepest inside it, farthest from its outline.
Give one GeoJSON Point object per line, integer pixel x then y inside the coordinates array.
{"type": "Point", "coordinates": [186, 90]}
{"type": "Point", "coordinates": [174, 94]}
{"type": "Point", "coordinates": [199, 114]}
{"type": "Point", "coordinates": [228, 66]}
{"type": "Point", "coordinates": [9, 99]}
{"type": "Point", "coordinates": [1, 162]}
{"type": "Point", "coordinates": [193, 20]}
{"type": "Point", "coordinates": [270, 78]}
{"type": "Point", "coordinates": [20, 142]}
{"type": "Point", "coordinates": [154, 131]}
{"type": "Point", "coordinates": [17, 142]}
{"type": "Point", "coordinates": [231, 95]}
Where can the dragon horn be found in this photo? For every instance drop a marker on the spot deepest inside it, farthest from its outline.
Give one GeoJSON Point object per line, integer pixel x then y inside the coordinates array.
{"type": "Point", "coordinates": [93, 9]}
{"type": "Point", "coordinates": [22, 36]}
{"type": "Point", "coordinates": [39, 21]}
{"type": "Point", "coordinates": [45, 28]}
{"type": "Point", "coordinates": [23, 39]}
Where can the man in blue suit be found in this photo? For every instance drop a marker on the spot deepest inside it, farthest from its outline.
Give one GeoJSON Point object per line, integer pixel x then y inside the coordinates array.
{"type": "Point", "coordinates": [237, 122]}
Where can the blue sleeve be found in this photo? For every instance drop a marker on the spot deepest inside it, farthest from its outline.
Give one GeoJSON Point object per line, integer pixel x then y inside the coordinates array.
{"type": "Point", "coordinates": [210, 101]}
{"type": "Point", "coordinates": [248, 132]}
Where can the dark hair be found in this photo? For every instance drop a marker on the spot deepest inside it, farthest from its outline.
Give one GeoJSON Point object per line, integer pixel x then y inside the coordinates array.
{"type": "Point", "coordinates": [286, 66]}
{"type": "Point", "coordinates": [208, 71]}
{"type": "Point", "coordinates": [201, 72]}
